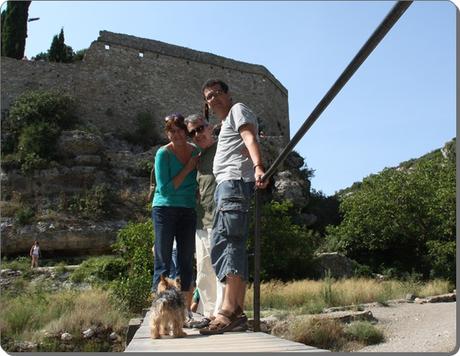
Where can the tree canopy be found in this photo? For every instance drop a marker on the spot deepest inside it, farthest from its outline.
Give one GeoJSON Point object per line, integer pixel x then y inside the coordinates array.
{"type": "Point", "coordinates": [14, 28]}
{"type": "Point", "coordinates": [402, 219]}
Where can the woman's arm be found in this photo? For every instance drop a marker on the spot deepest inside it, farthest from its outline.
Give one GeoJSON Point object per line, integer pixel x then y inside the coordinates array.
{"type": "Point", "coordinates": [190, 166]}
{"type": "Point", "coordinates": [165, 183]}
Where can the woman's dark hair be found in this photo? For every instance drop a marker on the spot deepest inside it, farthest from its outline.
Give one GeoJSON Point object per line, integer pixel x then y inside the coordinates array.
{"type": "Point", "coordinates": [175, 119]}
{"type": "Point", "coordinates": [211, 82]}
{"type": "Point", "coordinates": [206, 111]}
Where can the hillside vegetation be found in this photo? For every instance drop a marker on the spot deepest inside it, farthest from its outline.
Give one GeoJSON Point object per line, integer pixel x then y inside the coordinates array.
{"type": "Point", "coordinates": [402, 220]}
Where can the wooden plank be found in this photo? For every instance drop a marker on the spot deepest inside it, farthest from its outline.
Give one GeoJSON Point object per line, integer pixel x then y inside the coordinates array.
{"type": "Point", "coordinates": [246, 341]}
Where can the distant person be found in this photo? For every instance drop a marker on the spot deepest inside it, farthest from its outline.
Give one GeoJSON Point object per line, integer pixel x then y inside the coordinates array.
{"type": "Point", "coordinates": [201, 133]}
{"type": "Point", "coordinates": [236, 173]}
{"type": "Point", "coordinates": [174, 201]}
{"type": "Point", "coordinates": [35, 254]}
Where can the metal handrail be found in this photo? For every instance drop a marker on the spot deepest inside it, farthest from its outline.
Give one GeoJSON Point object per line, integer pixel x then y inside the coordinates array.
{"type": "Point", "coordinates": [393, 16]}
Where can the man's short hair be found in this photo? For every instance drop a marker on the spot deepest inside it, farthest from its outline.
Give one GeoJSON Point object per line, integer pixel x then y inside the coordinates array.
{"type": "Point", "coordinates": [192, 119]}
{"type": "Point", "coordinates": [211, 82]}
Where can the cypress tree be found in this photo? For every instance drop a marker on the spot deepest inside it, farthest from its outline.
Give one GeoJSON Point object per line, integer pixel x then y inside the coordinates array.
{"type": "Point", "coordinates": [14, 29]}
{"type": "Point", "coordinates": [59, 51]}
{"type": "Point", "coordinates": [54, 53]}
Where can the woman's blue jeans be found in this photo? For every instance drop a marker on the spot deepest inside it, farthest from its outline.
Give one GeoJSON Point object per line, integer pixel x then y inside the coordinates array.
{"type": "Point", "coordinates": [170, 223]}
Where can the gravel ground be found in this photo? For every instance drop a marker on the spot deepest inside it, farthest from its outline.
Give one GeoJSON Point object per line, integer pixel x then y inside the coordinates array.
{"type": "Point", "coordinates": [411, 327]}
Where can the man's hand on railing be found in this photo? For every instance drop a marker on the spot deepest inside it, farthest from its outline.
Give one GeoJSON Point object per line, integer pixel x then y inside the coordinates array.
{"type": "Point", "coordinates": [258, 174]}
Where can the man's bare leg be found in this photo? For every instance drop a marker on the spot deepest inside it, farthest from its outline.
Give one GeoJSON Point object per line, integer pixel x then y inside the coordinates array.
{"type": "Point", "coordinates": [235, 290]}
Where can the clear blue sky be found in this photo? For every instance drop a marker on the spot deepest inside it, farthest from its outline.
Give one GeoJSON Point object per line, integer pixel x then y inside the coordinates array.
{"type": "Point", "coordinates": [399, 105]}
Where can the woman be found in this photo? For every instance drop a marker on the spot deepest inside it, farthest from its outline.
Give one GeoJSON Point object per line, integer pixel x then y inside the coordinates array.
{"type": "Point", "coordinates": [34, 253]}
{"type": "Point", "coordinates": [174, 205]}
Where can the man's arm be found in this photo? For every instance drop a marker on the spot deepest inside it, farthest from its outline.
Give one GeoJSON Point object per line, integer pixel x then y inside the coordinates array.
{"type": "Point", "coordinates": [248, 135]}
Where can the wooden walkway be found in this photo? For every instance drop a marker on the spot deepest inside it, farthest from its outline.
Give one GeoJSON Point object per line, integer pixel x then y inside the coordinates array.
{"type": "Point", "coordinates": [228, 342]}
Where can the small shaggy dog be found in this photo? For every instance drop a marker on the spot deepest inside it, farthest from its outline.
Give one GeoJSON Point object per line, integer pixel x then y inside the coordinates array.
{"type": "Point", "coordinates": [167, 310]}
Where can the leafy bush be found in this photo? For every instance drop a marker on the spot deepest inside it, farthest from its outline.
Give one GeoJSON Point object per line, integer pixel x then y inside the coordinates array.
{"type": "Point", "coordinates": [24, 216]}
{"type": "Point", "coordinates": [442, 255]}
{"type": "Point", "coordinates": [99, 269]}
{"type": "Point", "coordinates": [39, 139]}
{"type": "Point", "coordinates": [145, 133]}
{"type": "Point", "coordinates": [400, 213]}
{"type": "Point", "coordinates": [286, 248]}
{"type": "Point", "coordinates": [364, 332]}
{"type": "Point", "coordinates": [34, 124]}
{"type": "Point", "coordinates": [331, 334]}
{"type": "Point", "coordinates": [134, 243]}
{"type": "Point", "coordinates": [19, 264]}
{"type": "Point", "coordinates": [94, 203]}
{"type": "Point", "coordinates": [322, 333]}
{"type": "Point", "coordinates": [42, 107]}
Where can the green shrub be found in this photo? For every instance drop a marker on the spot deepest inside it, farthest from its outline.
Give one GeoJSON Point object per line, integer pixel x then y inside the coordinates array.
{"type": "Point", "coordinates": [145, 133]}
{"type": "Point", "coordinates": [31, 162]}
{"type": "Point", "coordinates": [286, 248]}
{"type": "Point", "coordinates": [331, 334]}
{"type": "Point", "coordinates": [364, 332]}
{"type": "Point", "coordinates": [143, 168]}
{"type": "Point", "coordinates": [19, 264]}
{"type": "Point", "coordinates": [328, 293]}
{"type": "Point", "coordinates": [321, 333]}
{"type": "Point", "coordinates": [34, 124]}
{"type": "Point", "coordinates": [134, 243]}
{"type": "Point", "coordinates": [399, 213]}
{"type": "Point", "coordinates": [38, 138]}
{"type": "Point", "coordinates": [99, 269]}
{"type": "Point", "coordinates": [42, 107]}
{"type": "Point", "coordinates": [24, 216]}
{"type": "Point", "coordinates": [94, 203]}
{"type": "Point", "coordinates": [442, 254]}
{"type": "Point", "coordinates": [360, 270]}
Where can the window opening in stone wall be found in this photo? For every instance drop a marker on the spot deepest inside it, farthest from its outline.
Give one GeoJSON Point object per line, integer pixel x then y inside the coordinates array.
{"type": "Point", "coordinates": [107, 46]}
{"type": "Point", "coordinates": [141, 54]}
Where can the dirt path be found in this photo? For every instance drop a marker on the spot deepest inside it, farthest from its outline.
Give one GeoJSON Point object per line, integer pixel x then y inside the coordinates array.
{"type": "Point", "coordinates": [411, 327]}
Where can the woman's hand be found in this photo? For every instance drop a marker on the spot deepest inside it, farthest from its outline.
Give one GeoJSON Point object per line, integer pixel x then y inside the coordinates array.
{"type": "Point", "coordinates": [192, 162]}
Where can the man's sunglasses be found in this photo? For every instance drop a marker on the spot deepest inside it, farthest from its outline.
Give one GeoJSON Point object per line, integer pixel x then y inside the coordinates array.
{"type": "Point", "coordinates": [212, 95]}
{"type": "Point", "coordinates": [197, 130]}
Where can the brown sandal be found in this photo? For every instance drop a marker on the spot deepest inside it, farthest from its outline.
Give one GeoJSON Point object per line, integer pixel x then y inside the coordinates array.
{"type": "Point", "coordinates": [236, 320]}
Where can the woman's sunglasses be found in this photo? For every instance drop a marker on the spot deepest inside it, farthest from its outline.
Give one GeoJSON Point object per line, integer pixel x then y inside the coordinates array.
{"type": "Point", "coordinates": [174, 117]}
{"type": "Point", "coordinates": [197, 130]}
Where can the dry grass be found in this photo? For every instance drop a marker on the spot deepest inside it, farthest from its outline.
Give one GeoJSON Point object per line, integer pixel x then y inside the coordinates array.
{"type": "Point", "coordinates": [309, 295]}
{"type": "Point", "coordinates": [90, 308]}
{"type": "Point", "coordinates": [25, 317]}
{"type": "Point", "coordinates": [436, 287]}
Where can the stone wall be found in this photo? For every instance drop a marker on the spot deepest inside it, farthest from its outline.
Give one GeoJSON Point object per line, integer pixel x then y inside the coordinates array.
{"type": "Point", "coordinates": [123, 75]}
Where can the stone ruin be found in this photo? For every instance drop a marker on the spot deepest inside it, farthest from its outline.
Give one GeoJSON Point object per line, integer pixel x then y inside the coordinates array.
{"type": "Point", "coordinates": [119, 77]}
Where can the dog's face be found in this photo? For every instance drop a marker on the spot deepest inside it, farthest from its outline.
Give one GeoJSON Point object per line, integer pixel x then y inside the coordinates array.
{"type": "Point", "coordinates": [167, 283]}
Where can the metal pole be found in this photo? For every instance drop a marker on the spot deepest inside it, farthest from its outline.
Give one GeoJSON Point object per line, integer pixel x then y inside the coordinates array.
{"type": "Point", "coordinates": [385, 26]}
{"type": "Point", "coordinates": [256, 285]}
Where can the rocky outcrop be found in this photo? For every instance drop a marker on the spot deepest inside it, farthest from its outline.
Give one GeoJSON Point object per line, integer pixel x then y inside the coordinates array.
{"type": "Point", "coordinates": [81, 237]}
{"type": "Point", "coordinates": [70, 216]}
{"type": "Point", "coordinates": [62, 196]}
{"type": "Point", "coordinates": [335, 264]}
{"type": "Point", "coordinates": [288, 186]}
{"type": "Point", "coordinates": [288, 182]}
{"type": "Point", "coordinates": [444, 298]}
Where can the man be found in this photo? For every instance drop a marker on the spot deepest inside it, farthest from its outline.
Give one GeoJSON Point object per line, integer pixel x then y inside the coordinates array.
{"type": "Point", "coordinates": [208, 286]}
{"type": "Point", "coordinates": [237, 167]}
